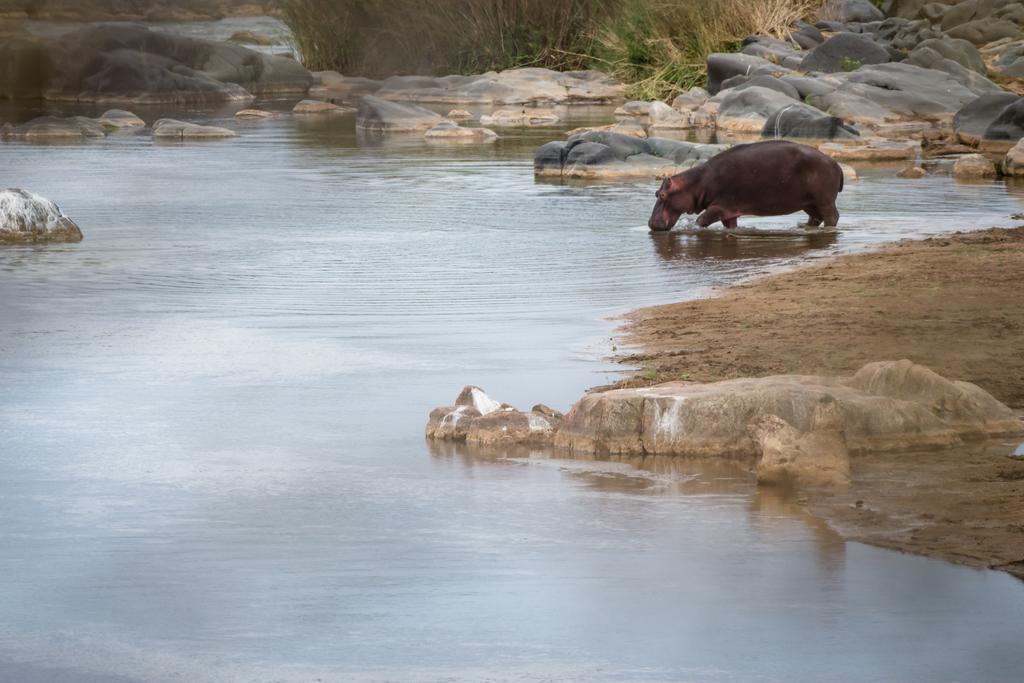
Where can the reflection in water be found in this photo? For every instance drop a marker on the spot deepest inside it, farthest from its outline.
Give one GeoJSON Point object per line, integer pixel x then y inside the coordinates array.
{"type": "Point", "coordinates": [212, 458]}
{"type": "Point", "coordinates": [672, 246]}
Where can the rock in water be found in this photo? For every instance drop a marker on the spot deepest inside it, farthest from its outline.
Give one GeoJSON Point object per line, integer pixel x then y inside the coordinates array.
{"type": "Point", "coordinates": [383, 116]}
{"type": "Point", "coordinates": [1013, 162]}
{"type": "Point", "coordinates": [28, 218]}
{"type": "Point", "coordinates": [974, 166]}
{"type": "Point", "coordinates": [172, 129]}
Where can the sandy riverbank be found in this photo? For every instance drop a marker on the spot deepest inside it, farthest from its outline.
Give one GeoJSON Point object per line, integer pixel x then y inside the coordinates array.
{"type": "Point", "coordinates": [951, 303]}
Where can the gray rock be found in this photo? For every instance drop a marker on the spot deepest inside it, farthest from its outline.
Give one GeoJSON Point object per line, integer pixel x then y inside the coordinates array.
{"type": "Point", "coordinates": [844, 52]}
{"type": "Point", "coordinates": [984, 31]}
{"type": "Point", "coordinates": [691, 99]}
{"type": "Point", "coordinates": [603, 154]}
{"type": "Point", "coordinates": [383, 116]}
{"type": "Point", "coordinates": [722, 66]}
{"type": "Point", "coordinates": [889, 92]}
{"type": "Point", "coordinates": [901, 34]}
{"type": "Point", "coordinates": [52, 128]}
{"type": "Point", "coordinates": [960, 51]}
{"type": "Point", "coordinates": [928, 58]}
{"type": "Point", "coordinates": [1008, 125]}
{"type": "Point", "coordinates": [852, 10]}
{"type": "Point", "coordinates": [971, 122]}
{"type": "Point", "coordinates": [748, 110]}
{"type": "Point", "coordinates": [1013, 162]}
{"type": "Point", "coordinates": [119, 119]}
{"type": "Point", "coordinates": [803, 121]}
{"type": "Point", "coordinates": [172, 129]}
{"type": "Point", "coordinates": [771, 83]}
{"type": "Point", "coordinates": [774, 50]}
{"type": "Point", "coordinates": [1007, 58]}
{"type": "Point", "coordinates": [28, 218]}
{"type": "Point", "coordinates": [807, 85]}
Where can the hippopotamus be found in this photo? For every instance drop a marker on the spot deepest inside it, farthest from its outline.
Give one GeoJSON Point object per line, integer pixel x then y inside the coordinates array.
{"type": "Point", "coordinates": [770, 178]}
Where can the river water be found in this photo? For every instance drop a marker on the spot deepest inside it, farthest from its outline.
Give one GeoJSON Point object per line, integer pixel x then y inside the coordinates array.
{"type": "Point", "coordinates": [211, 431]}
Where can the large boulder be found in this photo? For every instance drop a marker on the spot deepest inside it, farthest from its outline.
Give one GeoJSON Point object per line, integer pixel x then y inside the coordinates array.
{"type": "Point", "coordinates": [852, 10]}
{"type": "Point", "coordinates": [1006, 58]}
{"type": "Point", "coordinates": [748, 110]}
{"type": "Point", "coordinates": [844, 52]}
{"type": "Point", "coordinates": [28, 218]}
{"type": "Point", "coordinates": [723, 66]}
{"type": "Point", "coordinates": [453, 132]}
{"type": "Point", "coordinates": [118, 63]}
{"type": "Point", "coordinates": [602, 154]}
{"type": "Point", "coordinates": [384, 116]}
{"type": "Point", "coordinates": [777, 51]}
{"type": "Point", "coordinates": [984, 31]}
{"type": "Point", "coordinates": [514, 86]}
{"type": "Point", "coordinates": [803, 121]}
{"type": "Point", "coordinates": [818, 456]}
{"type": "Point", "coordinates": [1008, 126]}
{"type": "Point", "coordinates": [974, 166]}
{"type": "Point", "coordinates": [172, 129]}
{"type": "Point", "coordinates": [889, 406]}
{"type": "Point", "coordinates": [928, 58]}
{"type": "Point", "coordinates": [971, 122]}
{"type": "Point", "coordinates": [962, 52]}
{"type": "Point", "coordinates": [1013, 162]}
{"type": "Point", "coordinates": [770, 82]}
{"type": "Point", "coordinates": [895, 92]}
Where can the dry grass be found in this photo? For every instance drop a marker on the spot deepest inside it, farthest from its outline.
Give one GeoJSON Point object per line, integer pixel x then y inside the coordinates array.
{"type": "Point", "coordinates": [659, 46]}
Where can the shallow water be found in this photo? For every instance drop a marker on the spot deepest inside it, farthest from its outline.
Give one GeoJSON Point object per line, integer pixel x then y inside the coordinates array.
{"type": "Point", "coordinates": [212, 456]}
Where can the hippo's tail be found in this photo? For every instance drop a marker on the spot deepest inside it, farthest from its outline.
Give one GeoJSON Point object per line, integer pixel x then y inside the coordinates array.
{"type": "Point", "coordinates": [842, 179]}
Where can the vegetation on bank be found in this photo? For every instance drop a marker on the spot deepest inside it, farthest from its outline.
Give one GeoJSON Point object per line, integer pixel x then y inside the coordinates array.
{"type": "Point", "coordinates": [658, 46]}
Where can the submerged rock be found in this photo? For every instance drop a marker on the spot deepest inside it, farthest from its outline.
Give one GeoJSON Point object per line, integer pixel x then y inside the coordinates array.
{"type": "Point", "coordinates": [382, 116]}
{"type": "Point", "coordinates": [172, 129]}
{"type": "Point", "coordinates": [526, 117]}
{"type": "Point", "coordinates": [52, 128]}
{"type": "Point", "coordinates": [446, 130]}
{"type": "Point", "coordinates": [254, 114]}
{"type": "Point", "coordinates": [28, 218]}
{"type": "Point", "coordinates": [119, 119]}
{"type": "Point", "coordinates": [318, 107]}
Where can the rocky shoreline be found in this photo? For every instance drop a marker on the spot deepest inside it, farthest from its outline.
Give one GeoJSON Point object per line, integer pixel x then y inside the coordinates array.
{"type": "Point", "coordinates": [857, 449]}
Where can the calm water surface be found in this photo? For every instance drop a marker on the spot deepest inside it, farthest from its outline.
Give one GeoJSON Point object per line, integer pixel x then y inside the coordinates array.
{"type": "Point", "coordinates": [211, 446]}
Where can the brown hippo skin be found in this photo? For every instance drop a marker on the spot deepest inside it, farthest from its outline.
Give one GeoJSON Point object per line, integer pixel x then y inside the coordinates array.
{"type": "Point", "coordinates": [770, 178]}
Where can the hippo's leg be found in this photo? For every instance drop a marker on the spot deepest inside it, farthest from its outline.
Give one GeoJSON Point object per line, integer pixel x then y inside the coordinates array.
{"type": "Point", "coordinates": [830, 214]}
{"type": "Point", "coordinates": [711, 215]}
{"type": "Point", "coordinates": [729, 223]}
{"type": "Point", "coordinates": [813, 218]}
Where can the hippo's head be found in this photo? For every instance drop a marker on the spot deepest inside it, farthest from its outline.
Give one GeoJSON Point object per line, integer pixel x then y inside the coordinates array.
{"type": "Point", "coordinates": [676, 196]}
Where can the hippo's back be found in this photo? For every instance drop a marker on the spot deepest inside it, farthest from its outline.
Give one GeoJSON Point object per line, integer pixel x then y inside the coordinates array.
{"type": "Point", "coordinates": [772, 177]}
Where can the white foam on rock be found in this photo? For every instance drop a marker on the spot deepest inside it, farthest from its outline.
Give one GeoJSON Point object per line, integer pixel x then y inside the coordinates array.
{"type": "Point", "coordinates": [538, 423]}
{"type": "Point", "coordinates": [482, 402]}
{"type": "Point", "coordinates": [23, 211]}
{"type": "Point", "coordinates": [667, 424]}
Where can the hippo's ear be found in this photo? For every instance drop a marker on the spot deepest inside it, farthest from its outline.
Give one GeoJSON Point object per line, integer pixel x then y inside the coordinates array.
{"type": "Point", "coordinates": [673, 184]}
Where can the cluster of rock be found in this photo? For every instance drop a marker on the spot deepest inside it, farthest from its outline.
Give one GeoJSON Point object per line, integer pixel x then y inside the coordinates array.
{"type": "Point", "coordinates": [27, 218]}
{"type": "Point", "coordinates": [477, 419]}
{"type": "Point", "coordinates": [861, 85]}
{"type": "Point", "coordinates": [130, 64]}
{"type": "Point", "coordinates": [798, 428]}
{"type": "Point", "coordinates": [379, 116]}
{"type": "Point", "coordinates": [603, 153]}
{"type": "Point", "coordinates": [48, 129]}
{"type": "Point", "coordinates": [527, 86]}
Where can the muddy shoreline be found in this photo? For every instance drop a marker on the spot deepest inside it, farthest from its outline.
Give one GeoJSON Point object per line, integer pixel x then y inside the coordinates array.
{"type": "Point", "coordinates": [951, 303]}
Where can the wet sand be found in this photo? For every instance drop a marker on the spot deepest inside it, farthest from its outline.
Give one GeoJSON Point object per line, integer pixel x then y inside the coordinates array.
{"type": "Point", "coordinates": [951, 303]}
